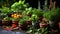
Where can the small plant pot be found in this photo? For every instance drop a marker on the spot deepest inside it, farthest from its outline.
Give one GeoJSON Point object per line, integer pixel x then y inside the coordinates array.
{"type": "Point", "coordinates": [6, 22]}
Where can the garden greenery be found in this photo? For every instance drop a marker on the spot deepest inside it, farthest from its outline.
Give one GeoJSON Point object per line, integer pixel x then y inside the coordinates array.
{"type": "Point", "coordinates": [53, 15]}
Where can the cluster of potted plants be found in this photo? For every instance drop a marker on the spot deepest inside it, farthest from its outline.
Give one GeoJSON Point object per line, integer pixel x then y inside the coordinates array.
{"type": "Point", "coordinates": [20, 13]}
{"type": "Point", "coordinates": [27, 17]}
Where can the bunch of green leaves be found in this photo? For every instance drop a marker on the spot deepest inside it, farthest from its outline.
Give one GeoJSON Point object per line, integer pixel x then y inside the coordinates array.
{"type": "Point", "coordinates": [22, 21]}
{"type": "Point", "coordinates": [34, 18]}
{"type": "Point", "coordinates": [21, 5]}
{"type": "Point", "coordinates": [47, 14]}
{"type": "Point", "coordinates": [6, 10]}
{"type": "Point", "coordinates": [29, 31]}
{"type": "Point", "coordinates": [53, 15]}
{"type": "Point", "coordinates": [37, 12]}
{"type": "Point", "coordinates": [43, 30]}
{"type": "Point", "coordinates": [24, 13]}
{"type": "Point", "coordinates": [6, 18]}
{"type": "Point", "coordinates": [29, 10]}
{"type": "Point", "coordinates": [14, 19]}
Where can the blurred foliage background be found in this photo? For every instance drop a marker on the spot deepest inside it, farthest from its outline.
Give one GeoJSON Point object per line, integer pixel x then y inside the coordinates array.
{"type": "Point", "coordinates": [7, 3]}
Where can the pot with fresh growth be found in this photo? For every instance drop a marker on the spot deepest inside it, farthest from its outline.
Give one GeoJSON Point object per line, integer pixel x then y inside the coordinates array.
{"type": "Point", "coordinates": [6, 21]}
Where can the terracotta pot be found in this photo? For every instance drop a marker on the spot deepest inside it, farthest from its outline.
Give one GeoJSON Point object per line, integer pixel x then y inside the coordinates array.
{"type": "Point", "coordinates": [6, 23]}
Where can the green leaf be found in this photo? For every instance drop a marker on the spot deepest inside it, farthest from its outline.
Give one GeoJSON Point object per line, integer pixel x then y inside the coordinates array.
{"type": "Point", "coordinates": [29, 31]}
